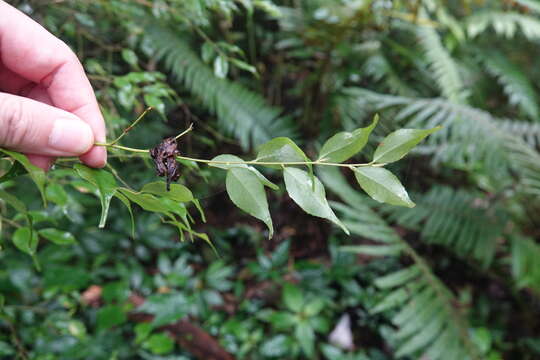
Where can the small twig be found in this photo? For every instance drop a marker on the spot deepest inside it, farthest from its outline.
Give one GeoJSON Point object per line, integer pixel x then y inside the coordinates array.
{"type": "Point", "coordinates": [250, 162]}
{"type": "Point", "coordinates": [126, 130]}
{"type": "Point", "coordinates": [11, 222]}
{"type": "Point", "coordinates": [116, 175]}
{"type": "Point", "coordinates": [21, 351]}
{"type": "Point", "coordinates": [184, 132]}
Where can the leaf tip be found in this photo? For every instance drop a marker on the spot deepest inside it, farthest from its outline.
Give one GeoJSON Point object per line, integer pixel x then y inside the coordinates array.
{"type": "Point", "coordinates": [270, 226]}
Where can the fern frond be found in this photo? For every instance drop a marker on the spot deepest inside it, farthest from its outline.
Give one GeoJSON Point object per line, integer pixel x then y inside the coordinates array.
{"type": "Point", "coordinates": [239, 111]}
{"type": "Point", "coordinates": [429, 324]}
{"type": "Point", "coordinates": [515, 83]}
{"type": "Point", "coordinates": [504, 23]}
{"type": "Point", "coordinates": [532, 5]}
{"type": "Point", "coordinates": [463, 141]}
{"type": "Point", "coordinates": [527, 131]}
{"type": "Point", "coordinates": [445, 69]}
{"type": "Point", "coordinates": [469, 137]}
{"type": "Point", "coordinates": [379, 68]}
{"type": "Point", "coordinates": [463, 221]}
{"type": "Point", "coordinates": [526, 262]}
{"type": "Point", "coordinates": [527, 161]}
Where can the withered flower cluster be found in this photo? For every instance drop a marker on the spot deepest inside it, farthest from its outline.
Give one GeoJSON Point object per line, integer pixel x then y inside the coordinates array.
{"type": "Point", "coordinates": [164, 156]}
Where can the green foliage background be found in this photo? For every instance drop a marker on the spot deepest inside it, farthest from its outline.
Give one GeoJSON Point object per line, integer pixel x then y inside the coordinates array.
{"type": "Point", "coordinates": [456, 277]}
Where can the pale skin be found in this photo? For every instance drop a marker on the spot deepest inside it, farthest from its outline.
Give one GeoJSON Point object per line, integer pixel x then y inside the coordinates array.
{"type": "Point", "coordinates": [47, 106]}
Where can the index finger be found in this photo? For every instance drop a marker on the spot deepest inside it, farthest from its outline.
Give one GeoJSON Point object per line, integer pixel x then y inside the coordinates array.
{"type": "Point", "coordinates": [33, 53]}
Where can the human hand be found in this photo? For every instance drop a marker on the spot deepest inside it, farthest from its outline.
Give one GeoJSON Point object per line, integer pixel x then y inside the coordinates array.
{"type": "Point", "coordinates": [47, 105]}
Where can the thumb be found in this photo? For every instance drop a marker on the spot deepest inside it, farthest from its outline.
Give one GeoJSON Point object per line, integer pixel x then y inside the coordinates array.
{"type": "Point", "coordinates": [33, 127]}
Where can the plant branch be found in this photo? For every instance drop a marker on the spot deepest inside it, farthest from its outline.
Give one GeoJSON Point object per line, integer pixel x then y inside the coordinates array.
{"type": "Point", "coordinates": [126, 130]}
{"type": "Point", "coordinates": [184, 132]}
{"type": "Point", "coordinates": [249, 162]}
{"type": "Point", "coordinates": [22, 353]}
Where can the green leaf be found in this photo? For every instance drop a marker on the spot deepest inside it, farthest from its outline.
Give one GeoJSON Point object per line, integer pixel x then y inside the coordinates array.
{"type": "Point", "coordinates": [331, 352]}
{"type": "Point", "coordinates": [56, 193]}
{"type": "Point", "coordinates": [199, 209]}
{"type": "Point", "coordinates": [344, 145]}
{"type": "Point", "coordinates": [482, 337]}
{"type": "Point", "coordinates": [234, 160]}
{"type": "Point", "coordinates": [66, 278]}
{"type": "Point", "coordinates": [280, 320]}
{"type": "Point", "coordinates": [280, 255]}
{"type": "Point", "coordinates": [166, 308]}
{"type": "Point", "coordinates": [130, 57]}
{"type": "Point", "coordinates": [382, 186]}
{"type": "Point", "coordinates": [26, 240]}
{"type": "Point", "coordinates": [116, 291]}
{"type": "Point", "coordinates": [314, 307]}
{"type": "Point", "coordinates": [14, 171]}
{"type": "Point", "coordinates": [305, 336]}
{"type": "Point", "coordinates": [146, 201]}
{"type": "Point", "coordinates": [395, 298]}
{"type": "Point", "coordinates": [6, 349]}
{"type": "Point", "coordinates": [399, 143]}
{"type": "Point", "coordinates": [309, 195]}
{"type": "Point", "coordinates": [221, 66]}
{"type": "Point", "coordinates": [142, 331]}
{"type": "Point", "coordinates": [207, 52]}
{"type": "Point", "coordinates": [425, 333]}
{"type": "Point", "coordinates": [13, 201]}
{"type": "Point", "coordinates": [231, 48]}
{"type": "Point", "coordinates": [77, 329]}
{"type": "Point", "coordinates": [319, 323]}
{"type": "Point", "coordinates": [155, 102]}
{"type": "Point", "coordinates": [277, 346]}
{"type": "Point", "coordinates": [159, 344]}
{"type": "Point", "coordinates": [280, 149]}
{"type": "Point", "coordinates": [106, 186]}
{"type": "Point", "coordinates": [269, 7]}
{"type": "Point", "coordinates": [38, 216]}
{"type": "Point", "coordinates": [175, 207]}
{"type": "Point", "coordinates": [247, 192]}
{"type": "Point", "coordinates": [397, 278]}
{"type": "Point", "coordinates": [57, 236]}
{"type": "Point", "coordinates": [177, 193]}
{"type": "Point", "coordinates": [36, 174]}
{"type": "Point", "coordinates": [127, 203]}
{"type": "Point", "coordinates": [217, 274]}
{"type": "Point", "coordinates": [244, 66]}
{"type": "Point", "coordinates": [374, 250]}
{"type": "Point", "coordinates": [17, 204]}
{"type": "Point", "coordinates": [248, 5]}
{"type": "Point", "coordinates": [109, 316]}
{"type": "Point", "coordinates": [292, 297]}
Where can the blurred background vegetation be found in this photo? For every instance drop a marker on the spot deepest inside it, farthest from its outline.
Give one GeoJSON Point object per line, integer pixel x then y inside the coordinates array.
{"type": "Point", "coordinates": [456, 277]}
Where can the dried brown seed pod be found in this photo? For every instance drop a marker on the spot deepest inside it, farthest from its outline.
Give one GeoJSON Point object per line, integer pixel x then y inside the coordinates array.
{"type": "Point", "coordinates": [164, 156]}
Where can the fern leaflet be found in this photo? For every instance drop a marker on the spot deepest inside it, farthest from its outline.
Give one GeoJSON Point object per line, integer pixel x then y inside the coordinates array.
{"type": "Point", "coordinates": [429, 324]}
{"type": "Point", "coordinates": [240, 111]}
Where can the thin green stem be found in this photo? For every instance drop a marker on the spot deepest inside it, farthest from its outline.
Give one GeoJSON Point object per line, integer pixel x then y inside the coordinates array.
{"type": "Point", "coordinates": [116, 175]}
{"type": "Point", "coordinates": [249, 162]}
{"type": "Point", "coordinates": [11, 222]}
{"type": "Point", "coordinates": [184, 132]}
{"type": "Point", "coordinates": [126, 130]}
{"type": "Point", "coordinates": [120, 147]}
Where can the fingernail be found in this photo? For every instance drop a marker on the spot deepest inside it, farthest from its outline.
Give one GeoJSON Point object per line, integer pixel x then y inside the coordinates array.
{"type": "Point", "coordinates": [71, 136]}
